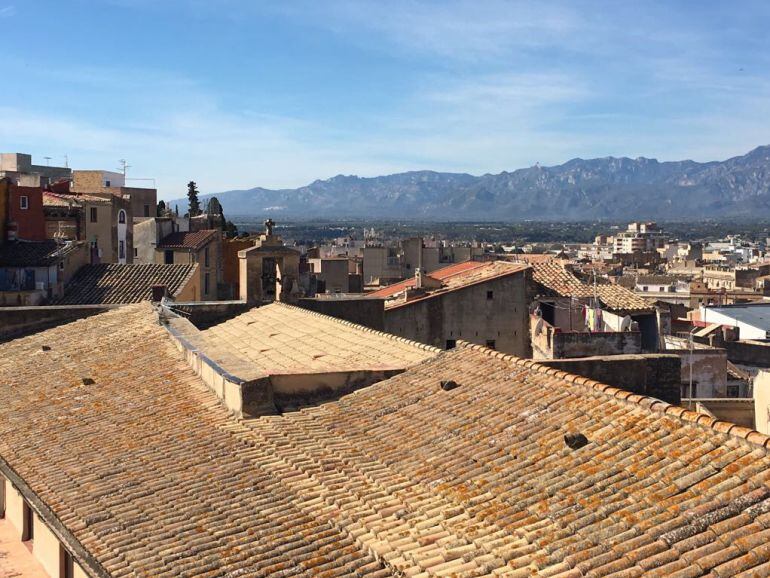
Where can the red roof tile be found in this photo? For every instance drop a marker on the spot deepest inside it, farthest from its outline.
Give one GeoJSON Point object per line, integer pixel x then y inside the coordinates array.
{"type": "Point", "coordinates": [440, 274]}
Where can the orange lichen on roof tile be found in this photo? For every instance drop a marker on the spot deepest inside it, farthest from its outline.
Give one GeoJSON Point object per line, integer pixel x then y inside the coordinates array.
{"type": "Point", "coordinates": [518, 470]}
{"type": "Point", "coordinates": [280, 338]}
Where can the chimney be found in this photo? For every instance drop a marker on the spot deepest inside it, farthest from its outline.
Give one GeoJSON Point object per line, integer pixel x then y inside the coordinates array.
{"type": "Point", "coordinates": [158, 292]}
{"type": "Point", "coordinates": [418, 281]}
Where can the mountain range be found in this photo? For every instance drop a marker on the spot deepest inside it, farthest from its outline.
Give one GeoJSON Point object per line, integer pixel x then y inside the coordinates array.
{"type": "Point", "coordinates": [603, 188]}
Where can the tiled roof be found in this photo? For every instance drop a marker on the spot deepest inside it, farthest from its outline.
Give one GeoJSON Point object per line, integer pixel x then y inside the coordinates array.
{"type": "Point", "coordinates": [440, 274]}
{"type": "Point", "coordinates": [279, 338]}
{"type": "Point", "coordinates": [63, 200]}
{"type": "Point", "coordinates": [554, 277]}
{"type": "Point", "coordinates": [404, 478]}
{"type": "Point", "coordinates": [115, 283]}
{"type": "Point", "coordinates": [187, 240]}
{"type": "Point", "coordinates": [460, 276]}
{"type": "Point", "coordinates": [33, 254]}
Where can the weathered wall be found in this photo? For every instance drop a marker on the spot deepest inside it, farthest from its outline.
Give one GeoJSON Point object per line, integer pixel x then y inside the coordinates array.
{"type": "Point", "coordinates": [364, 311]}
{"type": "Point", "coordinates": [762, 402]}
{"type": "Point", "coordinates": [565, 345]}
{"type": "Point", "coordinates": [17, 321]}
{"type": "Point", "coordinates": [655, 375]}
{"type": "Point", "coordinates": [748, 352]}
{"type": "Point", "coordinates": [737, 411]}
{"type": "Point", "coordinates": [709, 370]}
{"type": "Point", "coordinates": [204, 314]}
{"type": "Point", "coordinates": [469, 315]}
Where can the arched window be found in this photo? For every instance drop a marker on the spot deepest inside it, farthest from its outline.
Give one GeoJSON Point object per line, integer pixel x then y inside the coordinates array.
{"type": "Point", "coordinates": [122, 217]}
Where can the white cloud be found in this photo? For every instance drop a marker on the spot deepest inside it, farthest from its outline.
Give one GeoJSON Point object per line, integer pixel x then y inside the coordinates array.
{"type": "Point", "coordinates": [7, 11]}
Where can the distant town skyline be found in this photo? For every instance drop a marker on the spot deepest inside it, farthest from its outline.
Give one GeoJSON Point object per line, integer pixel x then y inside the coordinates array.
{"type": "Point", "coordinates": [235, 95]}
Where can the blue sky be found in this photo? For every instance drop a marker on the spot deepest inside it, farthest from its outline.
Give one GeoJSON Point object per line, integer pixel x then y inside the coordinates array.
{"type": "Point", "coordinates": [237, 93]}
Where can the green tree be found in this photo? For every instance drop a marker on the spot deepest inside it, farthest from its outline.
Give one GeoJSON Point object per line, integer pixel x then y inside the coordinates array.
{"type": "Point", "coordinates": [161, 208]}
{"type": "Point", "coordinates": [192, 196]}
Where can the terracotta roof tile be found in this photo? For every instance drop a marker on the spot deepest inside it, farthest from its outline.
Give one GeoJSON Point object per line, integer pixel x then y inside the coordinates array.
{"type": "Point", "coordinates": [556, 278]}
{"type": "Point", "coordinates": [187, 240]}
{"type": "Point", "coordinates": [400, 478]}
{"type": "Point", "coordinates": [282, 339]}
{"type": "Point", "coordinates": [114, 283]}
{"type": "Point", "coordinates": [452, 278]}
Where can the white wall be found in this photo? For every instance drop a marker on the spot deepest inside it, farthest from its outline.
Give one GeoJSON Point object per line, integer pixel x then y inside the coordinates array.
{"type": "Point", "coordinates": [746, 331]}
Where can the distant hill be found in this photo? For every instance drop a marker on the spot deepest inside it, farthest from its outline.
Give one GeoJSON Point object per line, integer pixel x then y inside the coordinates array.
{"type": "Point", "coordinates": [611, 188]}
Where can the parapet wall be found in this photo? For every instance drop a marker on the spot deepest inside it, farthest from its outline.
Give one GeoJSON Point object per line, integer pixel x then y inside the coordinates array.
{"type": "Point", "coordinates": [19, 321]}
{"type": "Point", "coordinates": [653, 375]}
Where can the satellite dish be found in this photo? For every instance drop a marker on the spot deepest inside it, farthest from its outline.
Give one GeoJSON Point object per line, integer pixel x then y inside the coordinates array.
{"type": "Point", "coordinates": [625, 325]}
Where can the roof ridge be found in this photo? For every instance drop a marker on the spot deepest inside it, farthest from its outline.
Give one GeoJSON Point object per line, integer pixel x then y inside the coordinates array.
{"type": "Point", "coordinates": [390, 336]}
{"type": "Point", "coordinates": [645, 402]}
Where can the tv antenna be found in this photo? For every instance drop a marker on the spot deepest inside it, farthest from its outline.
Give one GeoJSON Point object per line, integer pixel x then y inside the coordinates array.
{"type": "Point", "coordinates": [124, 166]}
{"type": "Point", "coordinates": [47, 161]}
{"type": "Point", "coordinates": [66, 161]}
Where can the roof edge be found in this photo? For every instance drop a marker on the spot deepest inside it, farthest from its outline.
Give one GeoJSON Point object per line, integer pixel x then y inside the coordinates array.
{"type": "Point", "coordinates": [81, 554]}
{"type": "Point", "coordinates": [749, 435]}
{"type": "Point", "coordinates": [438, 292]}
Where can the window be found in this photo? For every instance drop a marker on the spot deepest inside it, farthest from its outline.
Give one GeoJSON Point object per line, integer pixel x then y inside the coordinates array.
{"type": "Point", "coordinates": [107, 184]}
{"type": "Point", "coordinates": [66, 563]}
{"type": "Point", "coordinates": [2, 497]}
{"type": "Point", "coordinates": [644, 288]}
{"type": "Point", "coordinates": [93, 214]}
{"type": "Point", "coordinates": [122, 217]}
{"type": "Point", "coordinates": [136, 252]}
{"type": "Point", "coordinates": [206, 257]}
{"type": "Point", "coordinates": [28, 523]}
{"type": "Point", "coordinates": [451, 343]}
{"type": "Point", "coordinates": [490, 295]}
{"type": "Point", "coordinates": [491, 343]}
{"type": "Point", "coordinates": [147, 210]}
{"type": "Point", "coordinates": [24, 202]}
{"type": "Point", "coordinates": [61, 265]}
{"type": "Point", "coordinates": [168, 257]}
{"type": "Point", "coordinates": [121, 249]}
{"type": "Point", "coordinates": [733, 391]}
{"type": "Point", "coordinates": [206, 284]}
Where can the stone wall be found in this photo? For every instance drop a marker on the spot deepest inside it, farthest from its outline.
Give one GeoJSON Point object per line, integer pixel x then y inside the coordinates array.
{"type": "Point", "coordinates": [362, 311]}
{"type": "Point", "coordinates": [549, 343]}
{"type": "Point", "coordinates": [18, 321]}
{"type": "Point", "coordinates": [748, 352]}
{"type": "Point", "coordinates": [204, 314]}
{"type": "Point", "coordinates": [655, 375]}
{"type": "Point", "coordinates": [494, 314]}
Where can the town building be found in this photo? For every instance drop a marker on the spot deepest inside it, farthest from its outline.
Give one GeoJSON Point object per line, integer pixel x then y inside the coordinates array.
{"type": "Point", "coordinates": [751, 319]}
{"type": "Point", "coordinates": [203, 248]}
{"type": "Point", "coordinates": [103, 220]}
{"type": "Point", "coordinates": [125, 461]}
{"type": "Point", "coordinates": [22, 213]}
{"type": "Point", "coordinates": [639, 238]}
{"type": "Point", "coordinates": [143, 201]}
{"type": "Point", "coordinates": [479, 302]}
{"type": "Point", "coordinates": [35, 272]}
{"type": "Point", "coordinates": [118, 284]}
{"type": "Point", "coordinates": [19, 169]}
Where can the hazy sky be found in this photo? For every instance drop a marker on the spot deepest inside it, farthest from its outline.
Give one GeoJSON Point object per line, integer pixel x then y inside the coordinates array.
{"type": "Point", "coordinates": [237, 93]}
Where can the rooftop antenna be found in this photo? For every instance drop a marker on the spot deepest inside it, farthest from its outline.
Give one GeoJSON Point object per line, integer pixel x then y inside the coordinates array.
{"type": "Point", "coordinates": [66, 162]}
{"type": "Point", "coordinates": [124, 166]}
{"type": "Point", "coordinates": [47, 161]}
